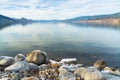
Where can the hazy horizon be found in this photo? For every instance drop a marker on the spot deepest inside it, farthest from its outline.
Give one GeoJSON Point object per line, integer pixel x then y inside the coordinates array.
{"type": "Point", "coordinates": [57, 9]}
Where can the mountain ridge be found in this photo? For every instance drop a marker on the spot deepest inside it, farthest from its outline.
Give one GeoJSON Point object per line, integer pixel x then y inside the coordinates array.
{"type": "Point", "coordinates": [6, 21]}
{"type": "Point", "coordinates": [109, 19]}
{"type": "Point", "coordinates": [94, 17]}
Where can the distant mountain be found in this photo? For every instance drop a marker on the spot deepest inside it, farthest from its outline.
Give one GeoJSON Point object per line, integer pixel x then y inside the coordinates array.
{"type": "Point", "coordinates": [6, 21]}
{"type": "Point", "coordinates": [24, 21]}
{"type": "Point", "coordinates": [97, 17]}
{"type": "Point", "coordinates": [108, 19]}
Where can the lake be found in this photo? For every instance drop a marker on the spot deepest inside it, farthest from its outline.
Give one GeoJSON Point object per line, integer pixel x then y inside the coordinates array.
{"type": "Point", "coordinates": [87, 43]}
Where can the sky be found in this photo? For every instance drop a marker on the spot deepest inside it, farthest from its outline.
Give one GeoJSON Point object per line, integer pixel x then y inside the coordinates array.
{"type": "Point", "coordinates": [57, 9]}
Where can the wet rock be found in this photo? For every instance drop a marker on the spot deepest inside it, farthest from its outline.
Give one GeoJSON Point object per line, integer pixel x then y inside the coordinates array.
{"type": "Point", "coordinates": [92, 73]}
{"type": "Point", "coordinates": [37, 57]}
{"type": "Point", "coordinates": [6, 61]}
{"type": "Point", "coordinates": [19, 57]}
{"type": "Point", "coordinates": [100, 64]}
{"type": "Point", "coordinates": [18, 66]}
{"type": "Point", "coordinates": [65, 75]}
{"type": "Point", "coordinates": [79, 71]}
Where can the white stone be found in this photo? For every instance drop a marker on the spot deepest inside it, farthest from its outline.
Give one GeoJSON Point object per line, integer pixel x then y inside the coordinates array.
{"type": "Point", "coordinates": [68, 60]}
{"type": "Point", "coordinates": [53, 62]}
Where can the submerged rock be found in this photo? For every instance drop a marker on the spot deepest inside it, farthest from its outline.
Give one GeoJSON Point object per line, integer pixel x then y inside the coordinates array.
{"type": "Point", "coordinates": [37, 57]}
{"type": "Point", "coordinates": [6, 61]}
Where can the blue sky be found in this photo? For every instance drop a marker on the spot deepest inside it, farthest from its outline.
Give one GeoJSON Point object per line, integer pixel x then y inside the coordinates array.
{"type": "Point", "coordinates": [57, 9]}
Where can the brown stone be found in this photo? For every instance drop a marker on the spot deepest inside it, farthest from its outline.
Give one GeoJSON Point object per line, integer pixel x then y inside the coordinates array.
{"type": "Point", "coordinates": [79, 71]}
{"type": "Point", "coordinates": [92, 73]}
{"type": "Point", "coordinates": [101, 64]}
{"type": "Point", "coordinates": [78, 78]}
{"type": "Point", "coordinates": [36, 57]}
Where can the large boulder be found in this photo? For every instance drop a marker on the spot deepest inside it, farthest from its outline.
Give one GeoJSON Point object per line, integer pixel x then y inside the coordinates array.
{"type": "Point", "coordinates": [18, 66]}
{"type": "Point", "coordinates": [100, 64]}
{"type": "Point", "coordinates": [6, 61]}
{"type": "Point", "coordinates": [65, 75]}
{"type": "Point", "coordinates": [92, 73]}
{"type": "Point", "coordinates": [79, 71]}
{"type": "Point", "coordinates": [37, 57]}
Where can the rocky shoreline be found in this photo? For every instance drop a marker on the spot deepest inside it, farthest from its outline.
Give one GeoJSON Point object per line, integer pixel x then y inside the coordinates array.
{"type": "Point", "coordinates": [37, 66]}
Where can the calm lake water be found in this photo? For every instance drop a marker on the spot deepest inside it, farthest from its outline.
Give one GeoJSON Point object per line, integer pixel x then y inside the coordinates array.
{"type": "Point", "coordinates": [61, 40]}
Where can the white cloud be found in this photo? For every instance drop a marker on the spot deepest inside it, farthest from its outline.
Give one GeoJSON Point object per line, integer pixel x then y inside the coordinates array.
{"type": "Point", "coordinates": [57, 9]}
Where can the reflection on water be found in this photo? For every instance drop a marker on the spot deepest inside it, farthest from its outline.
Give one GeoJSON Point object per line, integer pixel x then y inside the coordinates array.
{"type": "Point", "coordinates": [63, 40]}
